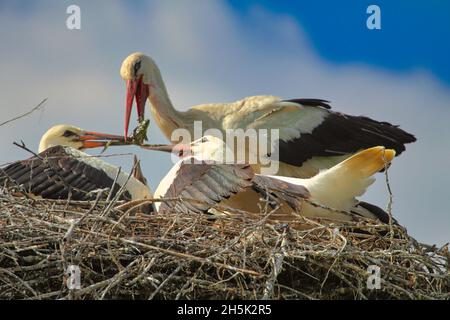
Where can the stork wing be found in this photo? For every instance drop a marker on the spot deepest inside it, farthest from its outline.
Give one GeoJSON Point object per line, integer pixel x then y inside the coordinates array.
{"type": "Point", "coordinates": [202, 186]}
{"type": "Point", "coordinates": [309, 129]}
{"type": "Point", "coordinates": [55, 173]}
{"type": "Point", "coordinates": [278, 190]}
{"type": "Point", "coordinates": [207, 183]}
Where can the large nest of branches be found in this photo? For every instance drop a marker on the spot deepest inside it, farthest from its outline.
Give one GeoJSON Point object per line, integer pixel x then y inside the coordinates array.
{"type": "Point", "coordinates": [122, 253]}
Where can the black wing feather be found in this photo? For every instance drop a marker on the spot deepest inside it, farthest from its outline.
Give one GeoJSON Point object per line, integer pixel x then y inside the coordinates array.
{"type": "Point", "coordinates": [55, 173]}
{"type": "Point", "coordinates": [311, 102]}
{"type": "Point", "coordinates": [341, 134]}
{"type": "Point", "coordinates": [382, 215]}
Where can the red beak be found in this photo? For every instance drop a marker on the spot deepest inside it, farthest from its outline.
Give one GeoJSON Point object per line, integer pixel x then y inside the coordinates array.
{"type": "Point", "coordinates": [93, 139]}
{"type": "Point", "coordinates": [135, 89]}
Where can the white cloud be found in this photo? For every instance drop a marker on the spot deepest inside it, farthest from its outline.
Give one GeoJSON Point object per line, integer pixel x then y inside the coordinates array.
{"type": "Point", "coordinates": [207, 52]}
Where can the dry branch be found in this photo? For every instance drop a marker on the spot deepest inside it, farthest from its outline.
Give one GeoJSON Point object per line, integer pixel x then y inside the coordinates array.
{"type": "Point", "coordinates": [125, 254]}
{"type": "Point", "coordinates": [25, 114]}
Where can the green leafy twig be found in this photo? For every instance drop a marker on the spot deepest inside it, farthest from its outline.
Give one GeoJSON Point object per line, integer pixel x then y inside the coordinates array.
{"type": "Point", "coordinates": [138, 137]}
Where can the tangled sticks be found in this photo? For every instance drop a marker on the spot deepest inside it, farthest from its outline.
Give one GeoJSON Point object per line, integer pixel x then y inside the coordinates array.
{"type": "Point", "coordinates": [124, 254]}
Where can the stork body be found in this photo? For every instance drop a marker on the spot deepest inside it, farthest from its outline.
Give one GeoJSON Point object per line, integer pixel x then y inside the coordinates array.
{"type": "Point", "coordinates": [331, 194]}
{"type": "Point", "coordinates": [312, 137]}
{"type": "Point", "coordinates": [62, 171]}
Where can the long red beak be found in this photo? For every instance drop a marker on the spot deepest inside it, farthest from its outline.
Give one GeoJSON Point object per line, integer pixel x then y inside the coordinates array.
{"type": "Point", "coordinates": [135, 89]}
{"type": "Point", "coordinates": [92, 139]}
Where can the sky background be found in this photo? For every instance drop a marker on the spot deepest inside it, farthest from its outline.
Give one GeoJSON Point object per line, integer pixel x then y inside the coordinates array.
{"type": "Point", "coordinates": [218, 51]}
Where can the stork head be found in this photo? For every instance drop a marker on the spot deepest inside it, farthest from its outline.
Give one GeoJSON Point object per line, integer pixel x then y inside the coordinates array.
{"type": "Point", "coordinates": [211, 148]}
{"type": "Point", "coordinates": [207, 148]}
{"type": "Point", "coordinates": [141, 74]}
{"type": "Point", "coordinates": [71, 136]}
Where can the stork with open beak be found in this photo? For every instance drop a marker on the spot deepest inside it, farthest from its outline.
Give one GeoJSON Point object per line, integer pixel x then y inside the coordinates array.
{"type": "Point", "coordinates": [331, 194]}
{"type": "Point", "coordinates": [61, 170]}
{"type": "Point", "coordinates": [311, 136]}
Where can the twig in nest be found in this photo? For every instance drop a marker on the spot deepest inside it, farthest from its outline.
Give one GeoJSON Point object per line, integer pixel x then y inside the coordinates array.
{"type": "Point", "coordinates": [389, 205]}
{"type": "Point", "coordinates": [277, 262]}
{"type": "Point", "coordinates": [75, 223]}
{"type": "Point", "coordinates": [184, 255]}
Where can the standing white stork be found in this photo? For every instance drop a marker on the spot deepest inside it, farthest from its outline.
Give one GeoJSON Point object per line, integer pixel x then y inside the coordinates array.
{"type": "Point", "coordinates": [311, 136]}
{"type": "Point", "coordinates": [331, 194]}
{"type": "Point", "coordinates": [62, 171]}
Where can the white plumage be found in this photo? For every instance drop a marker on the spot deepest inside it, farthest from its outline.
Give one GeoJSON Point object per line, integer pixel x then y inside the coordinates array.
{"type": "Point", "coordinates": [335, 188]}
{"type": "Point", "coordinates": [311, 136]}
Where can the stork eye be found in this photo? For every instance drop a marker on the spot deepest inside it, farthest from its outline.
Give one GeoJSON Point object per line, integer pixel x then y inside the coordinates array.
{"type": "Point", "coordinates": [204, 139]}
{"type": "Point", "coordinates": [136, 67]}
{"type": "Point", "coordinates": [69, 133]}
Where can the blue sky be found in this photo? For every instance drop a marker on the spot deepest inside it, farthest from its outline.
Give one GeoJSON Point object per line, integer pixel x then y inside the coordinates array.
{"type": "Point", "coordinates": [414, 34]}
{"type": "Point", "coordinates": [219, 51]}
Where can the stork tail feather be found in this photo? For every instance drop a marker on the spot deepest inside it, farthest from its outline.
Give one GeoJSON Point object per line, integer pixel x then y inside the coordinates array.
{"type": "Point", "coordinates": [338, 186]}
{"type": "Point", "coordinates": [367, 162]}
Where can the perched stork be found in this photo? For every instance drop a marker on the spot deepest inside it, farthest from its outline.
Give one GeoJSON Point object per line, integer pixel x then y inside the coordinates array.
{"type": "Point", "coordinates": [311, 136]}
{"type": "Point", "coordinates": [331, 194]}
{"type": "Point", "coordinates": [62, 171]}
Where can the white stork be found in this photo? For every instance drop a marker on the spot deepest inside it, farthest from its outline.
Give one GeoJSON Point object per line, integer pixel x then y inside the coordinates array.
{"type": "Point", "coordinates": [311, 136]}
{"type": "Point", "coordinates": [219, 185]}
{"type": "Point", "coordinates": [61, 170]}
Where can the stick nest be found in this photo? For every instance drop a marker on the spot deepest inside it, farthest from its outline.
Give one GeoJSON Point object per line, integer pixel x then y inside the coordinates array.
{"type": "Point", "coordinates": [123, 253]}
